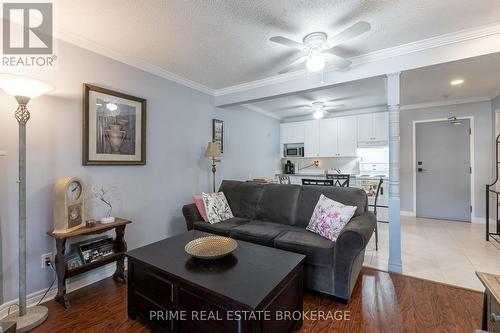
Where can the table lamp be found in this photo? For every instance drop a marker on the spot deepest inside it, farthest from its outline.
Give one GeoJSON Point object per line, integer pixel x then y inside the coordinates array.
{"type": "Point", "coordinates": [24, 89]}
{"type": "Point", "coordinates": [213, 152]}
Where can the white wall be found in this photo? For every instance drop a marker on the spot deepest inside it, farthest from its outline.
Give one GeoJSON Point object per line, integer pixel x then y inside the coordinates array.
{"type": "Point", "coordinates": [179, 127]}
{"type": "Point", "coordinates": [483, 145]}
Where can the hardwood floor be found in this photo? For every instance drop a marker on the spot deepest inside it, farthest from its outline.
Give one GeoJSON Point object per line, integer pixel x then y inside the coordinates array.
{"type": "Point", "coordinates": [381, 302]}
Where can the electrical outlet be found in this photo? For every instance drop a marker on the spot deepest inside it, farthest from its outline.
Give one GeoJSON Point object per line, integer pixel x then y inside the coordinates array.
{"type": "Point", "coordinates": [46, 259]}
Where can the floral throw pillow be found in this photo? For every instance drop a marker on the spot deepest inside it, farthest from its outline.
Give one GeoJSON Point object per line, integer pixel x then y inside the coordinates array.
{"type": "Point", "coordinates": [329, 218]}
{"type": "Point", "coordinates": [216, 207]}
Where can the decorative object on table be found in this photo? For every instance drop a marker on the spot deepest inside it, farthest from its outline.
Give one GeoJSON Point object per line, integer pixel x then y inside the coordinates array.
{"type": "Point", "coordinates": [330, 217]}
{"type": "Point", "coordinates": [213, 152]}
{"type": "Point", "coordinates": [105, 195]}
{"type": "Point", "coordinates": [218, 133]}
{"type": "Point", "coordinates": [24, 89]}
{"type": "Point", "coordinates": [63, 273]}
{"type": "Point", "coordinates": [73, 260]}
{"type": "Point", "coordinates": [217, 207]}
{"type": "Point", "coordinates": [198, 200]}
{"type": "Point", "coordinates": [320, 182]}
{"type": "Point", "coordinates": [341, 180]}
{"type": "Point", "coordinates": [95, 249]}
{"type": "Point", "coordinates": [69, 204]}
{"type": "Point", "coordinates": [114, 127]}
{"type": "Point", "coordinates": [211, 247]}
{"type": "Point", "coordinates": [90, 223]}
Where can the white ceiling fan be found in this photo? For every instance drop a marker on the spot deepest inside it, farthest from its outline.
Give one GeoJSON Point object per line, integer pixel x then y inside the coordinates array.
{"type": "Point", "coordinates": [320, 109]}
{"type": "Point", "coordinates": [317, 48]}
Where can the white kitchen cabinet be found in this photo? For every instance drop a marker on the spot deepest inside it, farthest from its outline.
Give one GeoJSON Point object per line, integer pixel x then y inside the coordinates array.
{"type": "Point", "coordinates": [373, 127]}
{"type": "Point", "coordinates": [338, 137]}
{"type": "Point", "coordinates": [292, 132]}
{"type": "Point", "coordinates": [347, 136]}
{"type": "Point", "coordinates": [328, 137]}
{"type": "Point", "coordinates": [381, 126]}
{"type": "Point", "coordinates": [311, 138]}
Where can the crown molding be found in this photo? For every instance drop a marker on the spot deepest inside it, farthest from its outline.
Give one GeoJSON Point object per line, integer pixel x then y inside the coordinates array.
{"type": "Point", "coordinates": [106, 51]}
{"type": "Point", "coordinates": [261, 110]}
{"type": "Point", "coordinates": [444, 103]}
{"type": "Point", "coordinates": [400, 50]}
{"type": "Point", "coordinates": [417, 46]}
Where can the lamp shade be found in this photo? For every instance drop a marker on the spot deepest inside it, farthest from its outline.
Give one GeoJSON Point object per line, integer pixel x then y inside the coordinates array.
{"type": "Point", "coordinates": [17, 85]}
{"type": "Point", "coordinates": [213, 150]}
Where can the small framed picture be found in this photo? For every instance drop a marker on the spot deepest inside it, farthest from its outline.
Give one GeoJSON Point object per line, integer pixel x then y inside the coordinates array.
{"type": "Point", "coordinates": [218, 133]}
{"type": "Point", "coordinates": [114, 127]}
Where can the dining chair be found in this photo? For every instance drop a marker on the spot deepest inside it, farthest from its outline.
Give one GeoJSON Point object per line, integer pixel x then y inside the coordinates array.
{"type": "Point", "coordinates": [339, 179]}
{"type": "Point", "coordinates": [375, 205]}
{"type": "Point", "coordinates": [284, 179]}
{"type": "Point", "coordinates": [321, 182]}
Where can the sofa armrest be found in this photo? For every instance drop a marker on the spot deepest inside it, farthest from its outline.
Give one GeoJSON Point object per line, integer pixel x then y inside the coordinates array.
{"type": "Point", "coordinates": [349, 252]}
{"type": "Point", "coordinates": [191, 215]}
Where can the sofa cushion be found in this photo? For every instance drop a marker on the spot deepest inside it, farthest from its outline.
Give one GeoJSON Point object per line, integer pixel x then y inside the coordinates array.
{"type": "Point", "coordinates": [318, 250]}
{"type": "Point", "coordinates": [278, 203]}
{"type": "Point", "coordinates": [222, 228]}
{"type": "Point", "coordinates": [259, 232]}
{"type": "Point", "coordinates": [309, 197]}
{"type": "Point", "coordinates": [242, 197]}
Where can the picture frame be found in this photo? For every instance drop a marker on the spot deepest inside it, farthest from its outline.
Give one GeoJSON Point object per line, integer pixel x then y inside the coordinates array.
{"type": "Point", "coordinates": [218, 133]}
{"type": "Point", "coordinates": [114, 127]}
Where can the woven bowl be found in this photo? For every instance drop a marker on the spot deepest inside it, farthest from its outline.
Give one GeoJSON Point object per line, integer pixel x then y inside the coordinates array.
{"type": "Point", "coordinates": [211, 247]}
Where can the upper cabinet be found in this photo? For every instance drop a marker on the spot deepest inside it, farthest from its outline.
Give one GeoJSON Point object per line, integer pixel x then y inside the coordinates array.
{"type": "Point", "coordinates": [328, 137]}
{"type": "Point", "coordinates": [311, 138]}
{"type": "Point", "coordinates": [331, 137]}
{"type": "Point", "coordinates": [338, 137]}
{"type": "Point", "coordinates": [373, 127]}
{"type": "Point", "coordinates": [292, 132]}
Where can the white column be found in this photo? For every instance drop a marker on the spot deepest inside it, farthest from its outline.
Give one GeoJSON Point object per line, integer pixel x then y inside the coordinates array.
{"type": "Point", "coordinates": [393, 93]}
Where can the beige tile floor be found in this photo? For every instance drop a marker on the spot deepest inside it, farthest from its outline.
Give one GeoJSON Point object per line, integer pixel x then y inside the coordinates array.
{"type": "Point", "coordinates": [443, 251]}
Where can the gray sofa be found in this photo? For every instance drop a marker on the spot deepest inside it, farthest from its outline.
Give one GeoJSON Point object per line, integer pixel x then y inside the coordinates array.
{"type": "Point", "coordinates": [277, 215]}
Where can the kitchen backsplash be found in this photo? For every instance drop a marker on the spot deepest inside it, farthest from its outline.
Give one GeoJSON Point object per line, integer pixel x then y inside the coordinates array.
{"type": "Point", "coordinates": [345, 164]}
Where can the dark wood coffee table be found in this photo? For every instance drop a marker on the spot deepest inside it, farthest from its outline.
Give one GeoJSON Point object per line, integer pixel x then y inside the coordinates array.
{"type": "Point", "coordinates": [251, 290]}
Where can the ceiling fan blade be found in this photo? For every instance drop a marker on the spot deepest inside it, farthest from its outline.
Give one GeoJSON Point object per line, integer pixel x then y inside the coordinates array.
{"type": "Point", "coordinates": [335, 60]}
{"type": "Point", "coordinates": [331, 110]}
{"type": "Point", "coordinates": [287, 42]}
{"type": "Point", "coordinates": [293, 65]}
{"type": "Point", "coordinates": [336, 106]}
{"type": "Point", "coordinates": [349, 33]}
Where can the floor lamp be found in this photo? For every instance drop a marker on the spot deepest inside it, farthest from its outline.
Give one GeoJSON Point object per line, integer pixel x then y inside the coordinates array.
{"type": "Point", "coordinates": [24, 89]}
{"type": "Point", "coordinates": [213, 152]}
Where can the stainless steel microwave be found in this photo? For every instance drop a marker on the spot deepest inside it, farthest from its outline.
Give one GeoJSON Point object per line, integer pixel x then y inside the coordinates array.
{"type": "Point", "coordinates": [293, 151]}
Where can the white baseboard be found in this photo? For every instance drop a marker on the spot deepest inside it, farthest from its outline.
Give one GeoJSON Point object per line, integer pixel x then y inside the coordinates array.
{"type": "Point", "coordinates": [407, 213]}
{"type": "Point", "coordinates": [71, 285]}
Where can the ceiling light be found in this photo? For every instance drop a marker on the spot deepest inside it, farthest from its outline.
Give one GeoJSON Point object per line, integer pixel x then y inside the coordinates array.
{"type": "Point", "coordinates": [457, 82]}
{"type": "Point", "coordinates": [111, 106]}
{"type": "Point", "coordinates": [316, 62]}
{"type": "Point", "coordinates": [318, 114]}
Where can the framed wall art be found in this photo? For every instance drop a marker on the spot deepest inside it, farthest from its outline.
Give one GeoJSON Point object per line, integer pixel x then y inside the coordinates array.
{"type": "Point", "coordinates": [218, 133]}
{"type": "Point", "coordinates": [114, 127]}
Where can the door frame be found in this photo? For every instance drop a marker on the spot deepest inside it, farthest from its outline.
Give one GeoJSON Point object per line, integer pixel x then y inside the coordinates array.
{"type": "Point", "coordinates": [472, 160]}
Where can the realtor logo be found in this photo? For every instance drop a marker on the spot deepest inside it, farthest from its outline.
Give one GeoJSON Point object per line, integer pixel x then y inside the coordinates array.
{"type": "Point", "coordinates": [27, 34]}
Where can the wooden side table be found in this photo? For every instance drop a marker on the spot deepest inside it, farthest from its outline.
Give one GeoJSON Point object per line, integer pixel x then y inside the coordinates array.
{"type": "Point", "coordinates": [120, 248]}
{"type": "Point", "coordinates": [491, 305]}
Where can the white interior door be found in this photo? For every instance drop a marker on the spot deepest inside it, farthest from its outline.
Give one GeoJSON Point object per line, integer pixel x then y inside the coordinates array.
{"type": "Point", "coordinates": [443, 178]}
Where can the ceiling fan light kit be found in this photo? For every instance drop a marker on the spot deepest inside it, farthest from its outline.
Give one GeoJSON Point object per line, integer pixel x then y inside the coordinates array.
{"type": "Point", "coordinates": [318, 50]}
